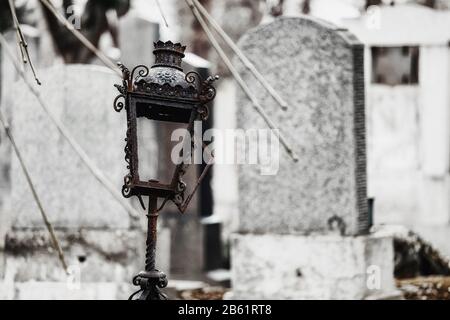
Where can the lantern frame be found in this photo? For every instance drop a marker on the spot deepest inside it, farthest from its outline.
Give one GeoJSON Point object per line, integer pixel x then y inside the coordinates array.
{"type": "Point", "coordinates": [163, 96]}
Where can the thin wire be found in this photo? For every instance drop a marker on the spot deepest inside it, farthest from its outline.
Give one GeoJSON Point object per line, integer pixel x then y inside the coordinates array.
{"type": "Point", "coordinates": [23, 45]}
{"type": "Point", "coordinates": [98, 174]}
{"type": "Point", "coordinates": [247, 63]}
{"type": "Point", "coordinates": [103, 58]}
{"type": "Point", "coordinates": [19, 45]}
{"type": "Point", "coordinates": [162, 13]}
{"type": "Point", "coordinates": [215, 44]}
{"type": "Point", "coordinates": [34, 193]}
{"type": "Point", "coordinates": [240, 81]}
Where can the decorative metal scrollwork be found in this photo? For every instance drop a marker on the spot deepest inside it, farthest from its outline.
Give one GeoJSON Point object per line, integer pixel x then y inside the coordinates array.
{"type": "Point", "coordinates": [125, 77]}
{"type": "Point", "coordinates": [118, 104]}
{"type": "Point", "coordinates": [142, 72]}
{"type": "Point", "coordinates": [125, 71]}
{"type": "Point", "coordinates": [194, 78]}
{"type": "Point", "coordinates": [127, 148]}
{"type": "Point", "coordinates": [178, 199]}
{"type": "Point", "coordinates": [127, 155]}
{"type": "Point", "coordinates": [126, 189]}
{"type": "Point", "coordinates": [181, 186]}
{"type": "Point", "coordinates": [206, 91]}
{"type": "Point", "coordinates": [121, 89]}
{"type": "Point", "coordinates": [203, 112]}
{"type": "Point", "coordinates": [137, 280]}
{"type": "Point", "coordinates": [167, 90]}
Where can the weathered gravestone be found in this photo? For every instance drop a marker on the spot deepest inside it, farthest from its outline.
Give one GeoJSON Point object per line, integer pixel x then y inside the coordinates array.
{"type": "Point", "coordinates": [101, 242]}
{"type": "Point", "coordinates": [303, 232]}
{"type": "Point", "coordinates": [7, 76]}
{"type": "Point", "coordinates": [136, 38]}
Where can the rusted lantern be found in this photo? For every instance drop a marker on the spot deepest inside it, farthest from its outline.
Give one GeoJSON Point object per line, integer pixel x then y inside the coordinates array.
{"type": "Point", "coordinates": [165, 94]}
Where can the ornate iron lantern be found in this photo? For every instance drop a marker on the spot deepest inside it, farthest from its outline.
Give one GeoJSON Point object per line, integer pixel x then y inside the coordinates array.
{"type": "Point", "coordinates": [163, 93]}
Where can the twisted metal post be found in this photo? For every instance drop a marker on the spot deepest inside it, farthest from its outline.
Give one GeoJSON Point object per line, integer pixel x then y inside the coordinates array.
{"type": "Point", "coordinates": [152, 219]}
{"type": "Point", "coordinates": [151, 280]}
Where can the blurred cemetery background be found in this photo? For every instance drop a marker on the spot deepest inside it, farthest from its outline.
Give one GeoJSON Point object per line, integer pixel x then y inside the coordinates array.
{"type": "Point", "coordinates": [364, 80]}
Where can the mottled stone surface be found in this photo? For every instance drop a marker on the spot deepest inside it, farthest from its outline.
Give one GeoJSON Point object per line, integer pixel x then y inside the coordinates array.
{"type": "Point", "coordinates": [312, 267]}
{"type": "Point", "coordinates": [99, 256]}
{"type": "Point", "coordinates": [81, 97]}
{"type": "Point", "coordinates": [7, 75]}
{"type": "Point", "coordinates": [136, 39]}
{"type": "Point", "coordinates": [318, 69]}
{"type": "Point", "coordinates": [102, 263]}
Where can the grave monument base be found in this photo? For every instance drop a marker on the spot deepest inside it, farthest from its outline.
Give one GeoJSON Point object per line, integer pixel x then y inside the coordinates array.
{"type": "Point", "coordinates": [269, 266]}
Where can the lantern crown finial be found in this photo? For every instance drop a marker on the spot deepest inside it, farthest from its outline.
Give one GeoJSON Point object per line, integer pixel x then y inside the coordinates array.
{"type": "Point", "coordinates": [168, 54]}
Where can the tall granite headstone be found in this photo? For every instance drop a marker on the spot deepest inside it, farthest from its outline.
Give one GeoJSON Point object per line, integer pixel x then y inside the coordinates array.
{"type": "Point", "coordinates": [303, 231]}
{"type": "Point", "coordinates": [318, 69]}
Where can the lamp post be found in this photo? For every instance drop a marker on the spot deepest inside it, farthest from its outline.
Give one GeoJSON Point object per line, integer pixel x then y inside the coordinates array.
{"type": "Point", "coordinates": [162, 93]}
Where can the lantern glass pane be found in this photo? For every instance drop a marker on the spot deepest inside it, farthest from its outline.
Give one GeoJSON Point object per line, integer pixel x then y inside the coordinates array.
{"type": "Point", "coordinates": [155, 146]}
{"type": "Point", "coordinates": [147, 143]}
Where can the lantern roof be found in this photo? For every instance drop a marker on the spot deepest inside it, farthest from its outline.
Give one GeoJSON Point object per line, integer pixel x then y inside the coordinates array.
{"type": "Point", "coordinates": [166, 79]}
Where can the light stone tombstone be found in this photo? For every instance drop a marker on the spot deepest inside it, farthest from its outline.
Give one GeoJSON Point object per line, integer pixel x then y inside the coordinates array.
{"type": "Point", "coordinates": [7, 75]}
{"type": "Point", "coordinates": [136, 38]}
{"type": "Point", "coordinates": [81, 98]}
{"type": "Point", "coordinates": [97, 235]}
{"type": "Point", "coordinates": [303, 230]}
